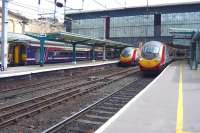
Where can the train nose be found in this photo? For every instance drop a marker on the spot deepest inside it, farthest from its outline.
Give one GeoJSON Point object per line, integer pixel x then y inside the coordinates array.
{"type": "Point", "coordinates": [125, 59]}
{"type": "Point", "coordinates": [149, 63]}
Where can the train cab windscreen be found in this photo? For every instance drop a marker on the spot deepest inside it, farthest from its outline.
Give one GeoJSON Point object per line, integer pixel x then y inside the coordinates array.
{"type": "Point", "coordinates": [126, 52]}
{"type": "Point", "coordinates": [150, 51]}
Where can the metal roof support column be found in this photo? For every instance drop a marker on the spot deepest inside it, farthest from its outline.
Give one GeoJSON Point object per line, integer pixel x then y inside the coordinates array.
{"type": "Point", "coordinates": [93, 53]}
{"type": "Point", "coordinates": [42, 42]}
{"type": "Point", "coordinates": [197, 52]}
{"type": "Point", "coordinates": [194, 56]}
{"type": "Point", "coordinates": [190, 59]}
{"type": "Point", "coordinates": [106, 27]}
{"type": "Point", "coordinates": [74, 54]}
{"type": "Point", "coordinates": [157, 25]}
{"type": "Point", "coordinates": [117, 53]}
{"type": "Point", "coordinates": [104, 52]}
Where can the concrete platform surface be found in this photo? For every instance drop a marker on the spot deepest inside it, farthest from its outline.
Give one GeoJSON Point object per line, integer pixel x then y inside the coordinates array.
{"type": "Point", "coordinates": [169, 104]}
{"type": "Point", "coordinates": [31, 69]}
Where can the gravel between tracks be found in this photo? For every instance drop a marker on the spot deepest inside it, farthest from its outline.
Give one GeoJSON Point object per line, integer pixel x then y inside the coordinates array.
{"type": "Point", "coordinates": [12, 97]}
{"type": "Point", "coordinates": [48, 118]}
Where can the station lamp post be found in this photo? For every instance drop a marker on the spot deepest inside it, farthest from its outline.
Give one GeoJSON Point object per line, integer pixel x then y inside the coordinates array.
{"type": "Point", "coordinates": [4, 36]}
{"type": "Point", "coordinates": [42, 36]}
{"type": "Point", "coordinates": [59, 3]}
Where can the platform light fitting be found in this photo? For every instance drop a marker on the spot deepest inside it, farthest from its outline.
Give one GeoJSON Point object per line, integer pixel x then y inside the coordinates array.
{"type": "Point", "coordinates": [59, 3]}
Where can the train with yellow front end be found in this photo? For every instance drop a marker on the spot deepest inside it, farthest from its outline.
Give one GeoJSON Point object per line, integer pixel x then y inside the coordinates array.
{"type": "Point", "coordinates": [129, 56]}
{"type": "Point", "coordinates": [155, 56]}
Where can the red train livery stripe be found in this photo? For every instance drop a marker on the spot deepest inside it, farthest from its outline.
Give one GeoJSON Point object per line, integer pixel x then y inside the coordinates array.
{"type": "Point", "coordinates": [163, 56]}
{"type": "Point", "coordinates": [134, 55]}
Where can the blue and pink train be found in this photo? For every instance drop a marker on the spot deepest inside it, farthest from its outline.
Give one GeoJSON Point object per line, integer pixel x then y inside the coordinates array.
{"type": "Point", "coordinates": [28, 53]}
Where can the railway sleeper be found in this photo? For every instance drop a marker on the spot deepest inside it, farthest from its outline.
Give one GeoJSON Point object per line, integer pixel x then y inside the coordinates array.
{"type": "Point", "coordinates": [102, 113]}
{"type": "Point", "coordinates": [130, 93]}
{"type": "Point", "coordinates": [78, 130]}
{"type": "Point", "coordinates": [125, 99]}
{"type": "Point", "coordinates": [109, 104]}
{"type": "Point", "coordinates": [124, 94]}
{"type": "Point", "coordinates": [88, 124]}
{"type": "Point", "coordinates": [127, 95]}
{"type": "Point", "coordinates": [95, 118]}
{"type": "Point", "coordinates": [111, 109]}
{"type": "Point", "coordinates": [115, 101]}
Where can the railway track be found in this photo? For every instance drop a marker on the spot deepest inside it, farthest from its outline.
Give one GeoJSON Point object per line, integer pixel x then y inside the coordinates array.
{"type": "Point", "coordinates": [25, 84]}
{"type": "Point", "coordinates": [15, 112]}
{"type": "Point", "coordinates": [48, 84]}
{"type": "Point", "coordinates": [93, 116]}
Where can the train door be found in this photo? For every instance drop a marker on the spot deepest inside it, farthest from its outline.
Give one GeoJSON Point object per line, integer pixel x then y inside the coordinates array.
{"type": "Point", "coordinates": [11, 55]}
{"type": "Point", "coordinates": [19, 55]}
{"type": "Point", "coordinates": [16, 54]}
{"type": "Point", "coordinates": [37, 55]}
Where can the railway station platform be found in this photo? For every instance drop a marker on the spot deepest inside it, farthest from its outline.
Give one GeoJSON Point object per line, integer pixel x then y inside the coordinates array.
{"type": "Point", "coordinates": [169, 104]}
{"type": "Point", "coordinates": [34, 69]}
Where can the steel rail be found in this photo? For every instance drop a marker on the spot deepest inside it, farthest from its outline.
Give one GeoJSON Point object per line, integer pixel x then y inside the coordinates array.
{"type": "Point", "coordinates": [63, 123]}
{"type": "Point", "coordinates": [46, 102]}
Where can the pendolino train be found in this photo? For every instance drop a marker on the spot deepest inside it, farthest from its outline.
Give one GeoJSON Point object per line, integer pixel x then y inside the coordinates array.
{"type": "Point", "coordinates": [129, 56]}
{"type": "Point", "coordinates": [155, 56]}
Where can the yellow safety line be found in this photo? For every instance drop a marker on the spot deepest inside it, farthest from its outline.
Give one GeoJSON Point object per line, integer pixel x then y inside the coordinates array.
{"type": "Point", "coordinates": [179, 121]}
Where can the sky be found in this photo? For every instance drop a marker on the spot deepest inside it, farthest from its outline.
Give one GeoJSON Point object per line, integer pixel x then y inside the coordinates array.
{"type": "Point", "coordinates": [31, 9]}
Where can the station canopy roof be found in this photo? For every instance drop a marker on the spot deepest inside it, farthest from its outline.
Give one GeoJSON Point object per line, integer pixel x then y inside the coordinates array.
{"type": "Point", "coordinates": [81, 39]}
{"type": "Point", "coordinates": [16, 37]}
{"type": "Point", "coordinates": [25, 39]}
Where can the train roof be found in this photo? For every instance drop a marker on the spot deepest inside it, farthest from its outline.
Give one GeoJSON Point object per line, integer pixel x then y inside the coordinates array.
{"type": "Point", "coordinates": [156, 43]}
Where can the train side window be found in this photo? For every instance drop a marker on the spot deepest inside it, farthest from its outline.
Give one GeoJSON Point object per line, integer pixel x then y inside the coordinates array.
{"type": "Point", "coordinates": [50, 54]}
{"type": "Point", "coordinates": [167, 52]}
{"type": "Point", "coordinates": [63, 54]}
